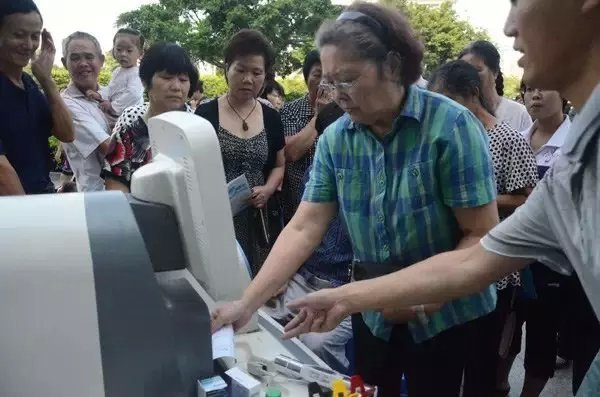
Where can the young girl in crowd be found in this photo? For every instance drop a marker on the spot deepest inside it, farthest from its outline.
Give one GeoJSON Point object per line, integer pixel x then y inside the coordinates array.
{"type": "Point", "coordinates": [125, 88]}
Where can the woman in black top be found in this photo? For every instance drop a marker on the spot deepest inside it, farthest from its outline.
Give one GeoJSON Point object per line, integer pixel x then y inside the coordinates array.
{"type": "Point", "coordinates": [250, 135]}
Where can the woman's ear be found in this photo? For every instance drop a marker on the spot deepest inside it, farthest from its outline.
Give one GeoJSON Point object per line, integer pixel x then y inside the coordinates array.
{"type": "Point", "coordinates": [393, 67]}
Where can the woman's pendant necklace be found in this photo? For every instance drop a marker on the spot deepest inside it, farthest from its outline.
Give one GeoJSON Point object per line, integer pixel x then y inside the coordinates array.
{"type": "Point", "coordinates": [244, 123]}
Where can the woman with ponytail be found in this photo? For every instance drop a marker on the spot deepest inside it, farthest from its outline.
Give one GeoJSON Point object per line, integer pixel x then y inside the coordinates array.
{"type": "Point", "coordinates": [484, 56]}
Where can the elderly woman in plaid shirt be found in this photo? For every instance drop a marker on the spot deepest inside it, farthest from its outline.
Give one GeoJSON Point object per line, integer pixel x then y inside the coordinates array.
{"type": "Point", "coordinates": [411, 176]}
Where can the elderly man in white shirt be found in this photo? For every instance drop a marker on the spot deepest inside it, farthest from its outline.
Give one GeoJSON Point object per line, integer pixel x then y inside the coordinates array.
{"type": "Point", "coordinates": [82, 56]}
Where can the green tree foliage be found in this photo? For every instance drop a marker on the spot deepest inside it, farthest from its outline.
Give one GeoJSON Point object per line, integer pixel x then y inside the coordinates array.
{"type": "Point", "coordinates": [203, 27]}
{"type": "Point", "coordinates": [61, 77]}
{"type": "Point", "coordinates": [294, 87]}
{"type": "Point", "coordinates": [512, 86]}
{"type": "Point", "coordinates": [215, 85]}
{"type": "Point", "coordinates": [441, 30]}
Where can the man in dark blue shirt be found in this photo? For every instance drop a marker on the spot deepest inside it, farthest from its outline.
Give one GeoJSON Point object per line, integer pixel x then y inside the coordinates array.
{"type": "Point", "coordinates": [28, 116]}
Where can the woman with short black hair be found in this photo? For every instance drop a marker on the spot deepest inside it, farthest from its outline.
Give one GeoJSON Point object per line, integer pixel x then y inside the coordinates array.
{"type": "Point", "coordinates": [251, 137]}
{"type": "Point", "coordinates": [170, 78]}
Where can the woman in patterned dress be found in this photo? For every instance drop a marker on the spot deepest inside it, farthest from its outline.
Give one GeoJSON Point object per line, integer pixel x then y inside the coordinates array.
{"type": "Point", "coordinates": [169, 77]}
{"type": "Point", "coordinates": [516, 175]}
{"type": "Point", "coordinates": [250, 134]}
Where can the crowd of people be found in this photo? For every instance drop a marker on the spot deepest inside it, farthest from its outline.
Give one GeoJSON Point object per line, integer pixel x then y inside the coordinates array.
{"type": "Point", "coordinates": [373, 171]}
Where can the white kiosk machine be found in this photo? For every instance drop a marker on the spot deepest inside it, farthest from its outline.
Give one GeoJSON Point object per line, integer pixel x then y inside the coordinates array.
{"type": "Point", "coordinates": [108, 295]}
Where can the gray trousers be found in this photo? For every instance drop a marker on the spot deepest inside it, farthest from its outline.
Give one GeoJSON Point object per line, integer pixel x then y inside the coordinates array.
{"type": "Point", "coordinates": [329, 346]}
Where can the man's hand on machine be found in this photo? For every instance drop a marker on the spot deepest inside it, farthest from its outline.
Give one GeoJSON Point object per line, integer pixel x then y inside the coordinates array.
{"type": "Point", "coordinates": [236, 313]}
{"type": "Point", "coordinates": [320, 311]}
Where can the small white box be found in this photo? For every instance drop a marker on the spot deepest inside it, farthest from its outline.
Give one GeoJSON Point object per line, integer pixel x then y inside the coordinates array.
{"type": "Point", "coordinates": [212, 387]}
{"type": "Point", "coordinates": [242, 384]}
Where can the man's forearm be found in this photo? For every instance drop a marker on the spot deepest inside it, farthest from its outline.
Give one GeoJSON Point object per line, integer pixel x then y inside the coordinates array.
{"type": "Point", "coordinates": [508, 203]}
{"type": "Point", "coordinates": [10, 184]}
{"type": "Point", "coordinates": [62, 122]}
{"type": "Point", "coordinates": [440, 278]}
{"type": "Point", "coordinates": [409, 313]}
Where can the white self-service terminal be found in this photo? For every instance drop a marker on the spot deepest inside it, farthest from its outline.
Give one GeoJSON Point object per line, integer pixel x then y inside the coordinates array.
{"type": "Point", "coordinates": [109, 295]}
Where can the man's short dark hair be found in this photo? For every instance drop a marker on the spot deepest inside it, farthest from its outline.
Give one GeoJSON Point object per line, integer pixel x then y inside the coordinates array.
{"type": "Point", "coordinates": [200, 87]}
{"type": "Point", "coordinates": [310, 60]}
{"type": "Point", "coordinates": [132, 32]}
{"type": "Point", "coordinates": [250, 42]}
{"type": "Point", "coordinates": [170, 58]}
{"type": "Point", "coordinates": [10, 7]}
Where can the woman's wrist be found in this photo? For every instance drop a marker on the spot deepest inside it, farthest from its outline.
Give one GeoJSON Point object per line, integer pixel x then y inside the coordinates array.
{"type": "Point", "coordinates": [271, 190]}
{"type": "Point", "coordinates": [249, 303]}
{"type": "Point", "coordinates": [349, 298]}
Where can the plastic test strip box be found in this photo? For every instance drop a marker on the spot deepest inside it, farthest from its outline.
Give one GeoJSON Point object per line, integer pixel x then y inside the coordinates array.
{"type": "Point", "coordinates": [242, 384]}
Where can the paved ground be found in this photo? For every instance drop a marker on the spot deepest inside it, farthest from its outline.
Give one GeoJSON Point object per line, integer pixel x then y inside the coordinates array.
{"type": "Point", "coordinates": [559, 386]}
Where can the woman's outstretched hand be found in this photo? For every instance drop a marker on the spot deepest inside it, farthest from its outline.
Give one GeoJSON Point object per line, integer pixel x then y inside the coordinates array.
{"type": "Point", "coordinates": [320, 311]}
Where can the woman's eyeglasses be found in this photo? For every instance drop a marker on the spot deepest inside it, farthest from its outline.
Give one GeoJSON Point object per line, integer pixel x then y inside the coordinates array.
{"type": "Point", "coordinates": [342, 87]}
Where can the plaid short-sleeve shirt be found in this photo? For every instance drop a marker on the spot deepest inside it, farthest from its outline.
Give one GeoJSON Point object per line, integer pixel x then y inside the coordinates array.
{"type": "Point", "coordinates": [295, 116]}
{"type": "Point", "coordinates": [396, 194]}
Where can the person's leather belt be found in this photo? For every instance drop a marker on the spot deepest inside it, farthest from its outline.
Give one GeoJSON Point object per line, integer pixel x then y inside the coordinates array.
{"type": "Point", "coordinates": [318, 283]}
{"type": "Point", "coordinates": [369, 270]}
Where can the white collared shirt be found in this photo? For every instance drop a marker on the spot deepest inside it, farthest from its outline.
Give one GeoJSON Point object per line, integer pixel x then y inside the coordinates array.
{"type": "Point", "coordinates": [91, 129]}
{"type": "Point", "coordinates": [546, 155]}
{"type": "Point", "coordinates": [125, 89]}
{"type": "Point", "coordinates": [513, 114]}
